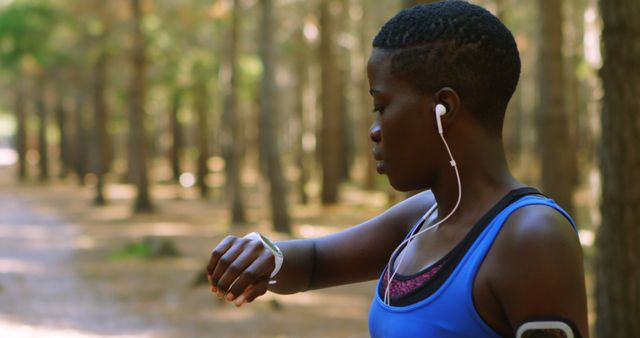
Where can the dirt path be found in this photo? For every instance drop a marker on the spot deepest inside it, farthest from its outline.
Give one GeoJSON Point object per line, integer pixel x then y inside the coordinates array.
{"type": "Point", "coordinates": [40, 292]}
{"type": "Point", "coordinates": [56, 278]}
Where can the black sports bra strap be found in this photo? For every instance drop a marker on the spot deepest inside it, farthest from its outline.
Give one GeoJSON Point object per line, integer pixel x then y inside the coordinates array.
{"type": "Point", "coordinates": [517, 193]}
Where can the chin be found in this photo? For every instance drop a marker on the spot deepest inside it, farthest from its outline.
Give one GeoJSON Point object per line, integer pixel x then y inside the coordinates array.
{"type": "Point", "coordinates": [404, 186]}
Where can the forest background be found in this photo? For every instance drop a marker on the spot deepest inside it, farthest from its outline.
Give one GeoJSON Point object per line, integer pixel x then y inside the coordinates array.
{"type": "Point", "coordinates": [163, 125]}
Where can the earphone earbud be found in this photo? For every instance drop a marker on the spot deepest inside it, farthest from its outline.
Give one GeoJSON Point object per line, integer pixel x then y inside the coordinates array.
{"type": "Point", "coordinates": [440, 110]}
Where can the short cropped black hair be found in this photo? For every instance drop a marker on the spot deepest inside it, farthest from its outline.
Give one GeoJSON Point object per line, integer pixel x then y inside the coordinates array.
{"type": "Point", "coordinates": [459, 45]}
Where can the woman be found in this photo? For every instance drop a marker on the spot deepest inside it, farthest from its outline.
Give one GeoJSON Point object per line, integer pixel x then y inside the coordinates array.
{"type": "Point", "coordinates": [477, 254]}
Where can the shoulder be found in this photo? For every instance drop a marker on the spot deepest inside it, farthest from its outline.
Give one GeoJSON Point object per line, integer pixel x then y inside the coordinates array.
{"type": "Point", "coordinates": [538, 267]}
{"type": "Point", "coordinates": [533, 225]}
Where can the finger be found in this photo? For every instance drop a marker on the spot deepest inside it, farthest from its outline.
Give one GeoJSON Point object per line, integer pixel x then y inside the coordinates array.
{"type": "Point", "coordinates": [258, 289]}
{"type": "Point", "coordinates": [259, 268]}
{"type": "Point", "coordinates": [219, 250]}
{"type": "Point", "coordinates": [247, 268]}
{"type": "Point", "coordinates": [243, 297]}
{"type": "Point", "coordinates": [225, 260]}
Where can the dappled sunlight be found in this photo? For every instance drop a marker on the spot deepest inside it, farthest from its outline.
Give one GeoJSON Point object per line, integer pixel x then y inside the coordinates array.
{"type": "Point", "coordinates": [19, 330]}
{"type": "Point", "coordinates": [112, 213]}
{"type": "Point", "coordinates": [20, 266]}
{"type": "Point", "coordinates": [24, 231]}
{"type": "Point", "coordinates": [587, 237]}
{"type": "Point", "coordinates": [8, 157]}
{"type": "Point", "coordinates": [121, 191]}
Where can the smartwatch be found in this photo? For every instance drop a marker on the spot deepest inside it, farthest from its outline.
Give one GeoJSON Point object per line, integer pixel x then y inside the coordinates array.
{"type": "Point", "coordinates": [267, 243]}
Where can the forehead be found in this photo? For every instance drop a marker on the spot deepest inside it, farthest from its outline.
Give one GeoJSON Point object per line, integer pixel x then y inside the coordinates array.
{"type": "Point", "coordinates": [380, 76]}
{"type": "Point", "coordinates": [379, 62]}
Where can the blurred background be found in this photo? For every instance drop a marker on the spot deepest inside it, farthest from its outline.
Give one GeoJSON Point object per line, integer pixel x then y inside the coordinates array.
{"type": "Point", "coordinates": [136, 134]}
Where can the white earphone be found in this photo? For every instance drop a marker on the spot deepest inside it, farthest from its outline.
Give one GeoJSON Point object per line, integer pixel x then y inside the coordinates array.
{"type": "Point", "coordinates": [440, 111]}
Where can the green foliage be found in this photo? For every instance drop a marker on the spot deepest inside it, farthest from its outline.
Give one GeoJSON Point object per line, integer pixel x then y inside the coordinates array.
{"type": "Point", "coordinates": [25, 29]}
{"type": "Point", "coordinates": [250, 69]}
{"type": "Point", "coordinates": [149, 247]}
{"type": "Point", "coordinates": [131, 250]}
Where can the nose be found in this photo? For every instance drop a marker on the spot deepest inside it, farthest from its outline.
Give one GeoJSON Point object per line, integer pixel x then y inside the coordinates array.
{"type": "Point", "coordinates": [374, 132]}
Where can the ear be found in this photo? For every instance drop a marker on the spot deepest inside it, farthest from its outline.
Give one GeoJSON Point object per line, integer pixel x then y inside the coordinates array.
{"type": "Point", "coordinates": [451, 100]}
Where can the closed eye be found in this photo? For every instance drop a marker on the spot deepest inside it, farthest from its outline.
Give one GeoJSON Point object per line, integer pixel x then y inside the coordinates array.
{"type": "Point", "coordinates": [378, 110]}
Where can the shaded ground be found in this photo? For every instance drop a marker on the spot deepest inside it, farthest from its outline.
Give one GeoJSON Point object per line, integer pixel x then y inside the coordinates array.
{"type": "Point", "coordinates": [57, 280]}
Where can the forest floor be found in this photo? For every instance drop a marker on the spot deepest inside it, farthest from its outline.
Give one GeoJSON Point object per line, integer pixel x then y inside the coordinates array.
{"type": "Point", "coordinates": [67, 268]}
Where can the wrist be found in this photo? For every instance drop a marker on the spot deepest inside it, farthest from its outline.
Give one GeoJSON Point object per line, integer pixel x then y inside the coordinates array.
{"type": "Point", "coordinates": [272, 247]}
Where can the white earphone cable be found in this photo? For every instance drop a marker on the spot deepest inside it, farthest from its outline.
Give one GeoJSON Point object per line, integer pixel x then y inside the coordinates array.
{"type": "Point", "coordinates": [423, 219]}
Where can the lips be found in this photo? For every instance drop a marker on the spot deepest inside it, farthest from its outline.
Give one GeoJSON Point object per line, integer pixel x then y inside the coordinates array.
{"type": "Point", "coordinates": [378, 157]}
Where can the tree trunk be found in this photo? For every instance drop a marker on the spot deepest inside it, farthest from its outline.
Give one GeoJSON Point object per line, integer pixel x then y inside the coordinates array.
{"type": "Point", "coordinates": [176, 133]}
{"type": "Point", "coordinates": [61, 119]}
{"type": "Point", "coordinates": [553, 128]}
{"type": "Point", "coordinates": [331, 151]}
{"type": "Point", "coordinates": [576, 104]}
{"type": "Point", "coordinates": [137, 113]}
{"type": "Point", "coordinates": [200, 101]}
{"type": "Point", "coordinates": [233, 147]}
{"type": "Point", "coordinates": [80, 147]}
{"type": "Point", "coordinates": [269, 121]}
{"type": "Point", "coordinates": [513, 122]}
{"type": "Point", "coordinates": [366, 102]}
{"type": "Point", "coordinates": [100, 119]}
{"type": "Point", "coordinates": [618, 264]}
{"type": "Point", "coordinates": [301, 64]}
{"type": "Point", "coordinates": [21, 126]}
{"type": "Point", "coordinates": [41, 107]}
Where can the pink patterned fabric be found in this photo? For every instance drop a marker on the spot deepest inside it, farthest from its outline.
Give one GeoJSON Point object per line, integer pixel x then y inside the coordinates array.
{"type": "Point", "coordinates": [400, 288]}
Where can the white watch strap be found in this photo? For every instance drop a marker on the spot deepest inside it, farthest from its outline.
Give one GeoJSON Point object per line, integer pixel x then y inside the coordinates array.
{"type": "Point", "coordinates": [279, 259]}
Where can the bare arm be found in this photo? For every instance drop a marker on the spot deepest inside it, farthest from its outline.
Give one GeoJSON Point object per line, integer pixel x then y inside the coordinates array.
{"type": "Point", "coordinates": [355, 254]}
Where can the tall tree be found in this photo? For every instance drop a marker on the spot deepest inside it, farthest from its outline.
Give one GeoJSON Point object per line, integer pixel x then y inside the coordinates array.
{"type": "Point", "coordinates": [79, 144]}
{"type": "Point", "coordinates": [233, 147]}
{"type": "Point", "coordinates": [269, 121]}
{"type": "Point", "coordinates": [366, 118]}
{"type": "Point", "coordinates": [42, 108]}
{"type": "Point", "coordinates": [513, 122]}
{"type": "Point", "coordinates": [301, 73]}
{"type": "Point", "coordinates": [25, 30]}
{"type": "Point", "coordinates": [100, 109]}
{"type": "Point", "coordinates": [344, 58]}
{"type": "Point", "coordinates": [175, 127]}
{"type": "Point", "coordinates": [575, 87]}
{"type": "Point", "coordinates": [21, 126]}
{"type": "Point", "coordinates": [331, 148]}
{"type": "Point", "coordinates": [200, 98]}
{"type": "Point", "coordinates": [618, 264]}
{"type": "Point", "coordinates": [137, 113]}
{"type": "Point", "coordinates": [557, 179]}
{"type": "Point", "coordinates": [61, 121]}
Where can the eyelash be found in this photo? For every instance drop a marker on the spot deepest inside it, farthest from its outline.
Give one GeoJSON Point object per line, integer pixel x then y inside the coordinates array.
{"type": "Point", "coordinates": [378, 110]}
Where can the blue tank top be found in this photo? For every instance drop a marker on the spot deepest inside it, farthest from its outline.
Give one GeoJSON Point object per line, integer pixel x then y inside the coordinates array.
{"type": "Point", "coordinates": [449, 312]}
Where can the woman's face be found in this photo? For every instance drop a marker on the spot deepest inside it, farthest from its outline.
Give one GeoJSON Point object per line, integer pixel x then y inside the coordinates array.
{"type": "Point", "coordinates": [404, 130]}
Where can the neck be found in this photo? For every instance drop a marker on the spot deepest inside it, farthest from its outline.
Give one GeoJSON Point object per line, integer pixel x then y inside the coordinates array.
{"type": "Point", "coordinates": [484, 175]}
